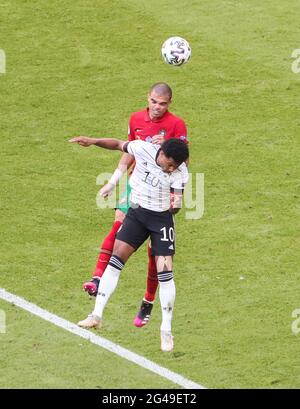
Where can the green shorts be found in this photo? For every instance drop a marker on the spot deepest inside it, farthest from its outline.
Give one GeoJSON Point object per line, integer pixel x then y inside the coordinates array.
{"type": "Point", "coordinates": [124, 203]}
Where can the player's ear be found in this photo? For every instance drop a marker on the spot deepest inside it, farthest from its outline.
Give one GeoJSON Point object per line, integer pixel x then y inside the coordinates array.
{"type": "Point", "coordinates": [160, 153]}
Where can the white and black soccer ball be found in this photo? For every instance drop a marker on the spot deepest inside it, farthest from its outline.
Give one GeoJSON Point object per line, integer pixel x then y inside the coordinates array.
{"type": "Point", "coordinates": [176, 51]}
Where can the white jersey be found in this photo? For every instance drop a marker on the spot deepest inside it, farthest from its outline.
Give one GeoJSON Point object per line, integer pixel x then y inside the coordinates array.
{"type": "Point", "coordinates": [150, 186]}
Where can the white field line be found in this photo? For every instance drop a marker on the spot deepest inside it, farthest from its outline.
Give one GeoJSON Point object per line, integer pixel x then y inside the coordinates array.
{"type": "Point", "coordinates": [100, 341]}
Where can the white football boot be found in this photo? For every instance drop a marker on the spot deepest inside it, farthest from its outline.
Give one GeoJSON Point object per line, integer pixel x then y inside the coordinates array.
{"type": "Point", "coordinates": [92, 321]}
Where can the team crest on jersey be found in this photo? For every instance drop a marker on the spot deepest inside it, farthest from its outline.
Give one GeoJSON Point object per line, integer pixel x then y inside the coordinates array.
{"type": "Point", "coordinates": [137, 131]}
{"type": "Point", "coordinates": [162, 132]}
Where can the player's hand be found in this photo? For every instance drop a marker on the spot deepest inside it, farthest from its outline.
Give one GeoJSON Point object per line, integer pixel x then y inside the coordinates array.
{"type": "Point", "coordinates": [82, 140]}
{"type": "Point", "coordinates": [107, 190]}
{"type": "Point", "coordinates": [158, 139]}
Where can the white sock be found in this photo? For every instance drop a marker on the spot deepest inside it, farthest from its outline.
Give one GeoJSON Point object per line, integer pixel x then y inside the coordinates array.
{"type": "Point", "coordinates": [167, 293]}
{"type": "Point", "coordinates": [107, 286]}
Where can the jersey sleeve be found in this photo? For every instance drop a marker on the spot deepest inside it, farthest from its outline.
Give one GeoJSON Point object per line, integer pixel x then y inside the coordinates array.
{"type": "Point", "coordinates": [133, 147]}
{"type": "Point", "coordinates": [131, 136]}
{"type": "Point", "coordinates": [180, 131]}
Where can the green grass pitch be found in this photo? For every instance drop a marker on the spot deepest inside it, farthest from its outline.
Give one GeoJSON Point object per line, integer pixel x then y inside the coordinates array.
{"type": "Point", "coordinates": [80, 68]}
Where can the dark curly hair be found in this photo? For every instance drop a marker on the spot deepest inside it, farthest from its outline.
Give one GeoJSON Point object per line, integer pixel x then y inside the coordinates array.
{"type": "Point", "coordinates": [175, 149]}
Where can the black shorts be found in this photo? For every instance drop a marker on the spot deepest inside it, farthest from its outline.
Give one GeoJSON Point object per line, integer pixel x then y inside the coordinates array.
{"type": "Point", "coordinates": [141, 223]}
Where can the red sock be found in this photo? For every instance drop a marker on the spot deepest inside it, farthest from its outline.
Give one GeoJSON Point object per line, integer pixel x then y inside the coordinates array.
{"type": "Point", "coordinates": [107, 245]}
{"type": "Point", "coordinates": [152, 281]}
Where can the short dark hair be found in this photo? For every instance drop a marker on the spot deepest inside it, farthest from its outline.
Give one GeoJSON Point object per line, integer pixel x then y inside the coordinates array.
{"type": "Point", "coordinates": [161, 88]}
{"type": "Point", "coordinates": [175, 149]}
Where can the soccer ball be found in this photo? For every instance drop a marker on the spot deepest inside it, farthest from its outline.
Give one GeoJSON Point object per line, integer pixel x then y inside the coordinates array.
{"type": "Point", "coordinates": [176, 51]}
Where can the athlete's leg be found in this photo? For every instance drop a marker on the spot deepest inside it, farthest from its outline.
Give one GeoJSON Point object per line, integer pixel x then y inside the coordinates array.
{"type": "Point", "coordinates": [129, 238]}
{"type": "Point", "coordinates": [152, 281]}
{"type": "Point", "coordinates": [143, 316]}
{"type": "Point", "coordinates": [108, 244]}
{"type": "Point", "coordinates": [105, 253]}
{"type": "Point", "coordinates": [121, 253]}
{"type": "Point", "coordinates": [163, 247]}
{"type": "Point", "coordinates": [106, 248]}
{"type": "Point", "coordinates": [167, 293]}
{"type": "Point", "coordinates": [108, 283]}
{"type": "Point", "coordinates": [163, 223]}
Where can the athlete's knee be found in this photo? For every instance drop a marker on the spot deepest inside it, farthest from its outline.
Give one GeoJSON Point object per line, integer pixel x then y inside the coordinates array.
{"type": "Point", "coordinates": [163, 263]}
{"type": "Point", "coordinates": [122, 250]}
{"type": "Point", "coordinates": [106, 251]}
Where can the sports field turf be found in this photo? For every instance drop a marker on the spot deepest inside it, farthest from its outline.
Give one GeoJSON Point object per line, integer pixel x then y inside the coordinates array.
{"type": "Point", "coordinates": [80, 68]}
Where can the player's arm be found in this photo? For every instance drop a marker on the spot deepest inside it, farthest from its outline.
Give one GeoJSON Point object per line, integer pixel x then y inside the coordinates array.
{"type": "Point", "coordinates": [106, 143]}
{"type": "Point", "coordinates": [112, 144]}
{"type": "Point", "coordinates": [175, 200]}
{"type": "Point", "coordinates": [177, 189]}
{"type": "Point", "coordinates": [124, 164]}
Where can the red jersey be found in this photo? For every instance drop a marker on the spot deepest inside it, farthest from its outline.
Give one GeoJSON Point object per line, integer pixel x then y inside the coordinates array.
{"type": "Point", "coordinates": [143, 128]}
